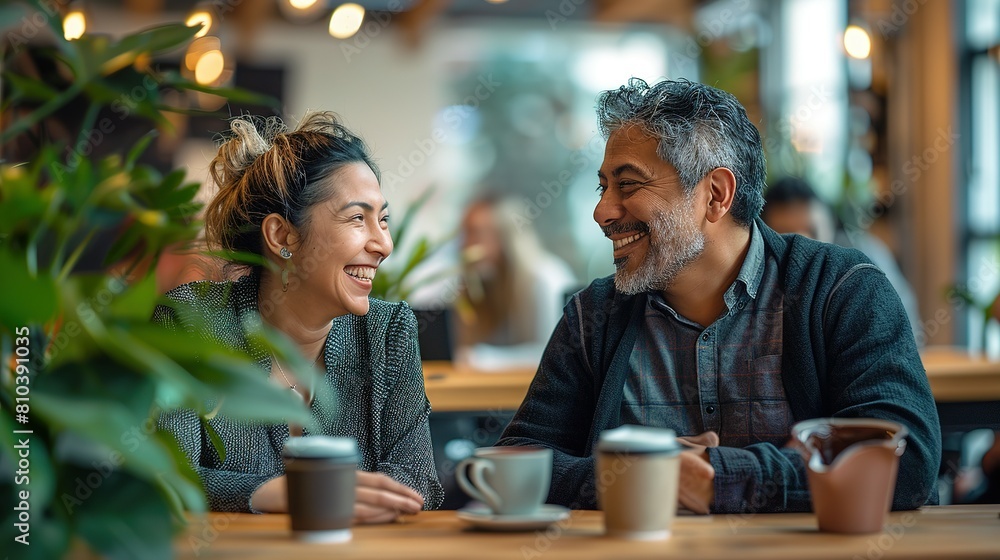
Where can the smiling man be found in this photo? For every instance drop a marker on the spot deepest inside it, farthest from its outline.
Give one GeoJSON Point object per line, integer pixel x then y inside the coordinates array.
{"type": "Point", "coordinates": [715, 326]}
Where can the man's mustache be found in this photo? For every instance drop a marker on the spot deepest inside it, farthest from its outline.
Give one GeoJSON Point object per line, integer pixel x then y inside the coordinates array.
{"type": "Point", "coordinates": [640, 227]}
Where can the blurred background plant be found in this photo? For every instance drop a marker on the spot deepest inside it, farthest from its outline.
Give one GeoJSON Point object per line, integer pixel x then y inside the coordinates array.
{"type": "Point", "coordinates": [83, 372]}
{"type": "Point", "coordinates": [401, 276]}
{"type": "Point", "coordinates": [984, 312]}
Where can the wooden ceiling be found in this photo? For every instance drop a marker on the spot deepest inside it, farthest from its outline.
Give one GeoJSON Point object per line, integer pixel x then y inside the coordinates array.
{"type": "Point", "coordinates": [674, 12]}
{"type": "Point", "coordinates": [601, 10]}
{"type": "Point", "coordinates": [418, 15]}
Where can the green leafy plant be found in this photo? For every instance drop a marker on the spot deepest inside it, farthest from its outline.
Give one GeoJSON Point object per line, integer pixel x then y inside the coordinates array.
{"type": "Point", "coordinates": [394, 282]}
{"type": "Point", "coordinates": [84, 374]}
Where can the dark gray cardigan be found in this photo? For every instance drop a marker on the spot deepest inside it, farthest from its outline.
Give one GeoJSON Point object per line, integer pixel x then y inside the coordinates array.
{"type": "Point", "coordinates": [848, 351]}
{"type": "Point", "coordinates": [372, 364]}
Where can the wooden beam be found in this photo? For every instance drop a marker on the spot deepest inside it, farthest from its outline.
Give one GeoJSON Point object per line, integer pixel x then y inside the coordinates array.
{"type": "Point", "coordinates": [679, 13]}
{"type": "Point", "coordinates": [415, 21]}
{"type": "Point", "coordinates": [923, 158]}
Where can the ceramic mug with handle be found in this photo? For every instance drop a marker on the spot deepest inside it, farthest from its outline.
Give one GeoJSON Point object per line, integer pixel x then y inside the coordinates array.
{"type": "Point", "coordinates": [510, 480]}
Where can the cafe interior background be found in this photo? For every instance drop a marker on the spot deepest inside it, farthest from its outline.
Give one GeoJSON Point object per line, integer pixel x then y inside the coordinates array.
{"type": "Point", "coordinates": [889, 108]}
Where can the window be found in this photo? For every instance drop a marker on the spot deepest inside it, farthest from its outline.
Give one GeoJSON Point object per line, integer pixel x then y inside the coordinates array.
{"type": "Point", "coordinates": [981, 106]}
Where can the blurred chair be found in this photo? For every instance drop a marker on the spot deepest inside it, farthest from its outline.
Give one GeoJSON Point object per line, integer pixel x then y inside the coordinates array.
{"type": "Point", "coordinates": [434, 334]}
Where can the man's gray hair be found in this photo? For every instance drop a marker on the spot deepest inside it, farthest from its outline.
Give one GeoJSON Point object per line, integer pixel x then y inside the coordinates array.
{"type": "Point", "coordinates": [699, 128]}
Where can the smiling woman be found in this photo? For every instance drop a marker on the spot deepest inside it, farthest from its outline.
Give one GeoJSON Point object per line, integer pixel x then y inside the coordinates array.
{"type": "Point", "coordinates": [307, 205]}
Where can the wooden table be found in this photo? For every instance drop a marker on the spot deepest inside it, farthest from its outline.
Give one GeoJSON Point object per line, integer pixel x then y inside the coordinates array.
{"type": "Point", "coordinates": [952, 532]}
{"type": "Point", "coordinates": [955, 375]}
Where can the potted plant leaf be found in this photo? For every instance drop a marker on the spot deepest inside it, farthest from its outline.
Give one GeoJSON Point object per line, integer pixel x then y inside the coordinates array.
{"type": "Point", "coordinates": [84, 374]}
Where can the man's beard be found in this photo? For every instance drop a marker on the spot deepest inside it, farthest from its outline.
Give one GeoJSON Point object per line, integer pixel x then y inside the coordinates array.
{"type": "Point", "coordinates": [674, 242]}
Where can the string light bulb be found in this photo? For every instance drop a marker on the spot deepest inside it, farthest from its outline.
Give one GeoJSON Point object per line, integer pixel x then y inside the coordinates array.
{"type": "Point", "coordinates": [203, 17]}
{"type": "Point", "coordinates": [209, 67]}
{"type": "Point", "coordinates": [199, 47]}
{"type": "Point", "coordinates": [346, 20]}
{"type": "Point", "coordinates": [302, 11]}
{"type": "Point", "coordinates": [74, 24]}
{"type": "Point", "coordinates": [857, 42]}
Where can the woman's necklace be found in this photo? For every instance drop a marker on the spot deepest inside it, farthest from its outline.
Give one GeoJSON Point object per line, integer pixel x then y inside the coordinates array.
{"type": "Point", "coordinates": [292, 386]}
{"type": "Point", "coordinates": [281, 370]}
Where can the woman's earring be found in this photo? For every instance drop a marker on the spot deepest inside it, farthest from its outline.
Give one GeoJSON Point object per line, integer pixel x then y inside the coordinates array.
{"type": "Point", "coordinates": [285, 254]}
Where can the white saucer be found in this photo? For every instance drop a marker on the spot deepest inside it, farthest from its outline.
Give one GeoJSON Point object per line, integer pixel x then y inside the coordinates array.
{"type": "Point", "coordinates": [483, 518]}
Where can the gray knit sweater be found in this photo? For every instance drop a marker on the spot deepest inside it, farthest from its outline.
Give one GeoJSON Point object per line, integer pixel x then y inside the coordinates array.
{"type": "Point", "coordinates": [373, 366]}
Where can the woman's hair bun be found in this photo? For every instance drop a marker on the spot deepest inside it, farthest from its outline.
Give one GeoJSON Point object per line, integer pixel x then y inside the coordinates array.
{"type": "Point", "coordinates": [262, 168]}
{"type": "Point", "coordinates": [249, 138]}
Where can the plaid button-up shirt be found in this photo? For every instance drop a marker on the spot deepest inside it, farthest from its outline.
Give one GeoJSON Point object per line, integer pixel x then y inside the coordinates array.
{"type": "Point", "coordinates": [725, 377]}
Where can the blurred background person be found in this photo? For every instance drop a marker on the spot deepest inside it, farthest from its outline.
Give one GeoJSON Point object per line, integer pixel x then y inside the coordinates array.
{"type": "Point", "coordinates": [510, 295]}
{"type": "Point", "coordinates": [512, 289]}
{"type": "Point", "coordinates": [792, 206]}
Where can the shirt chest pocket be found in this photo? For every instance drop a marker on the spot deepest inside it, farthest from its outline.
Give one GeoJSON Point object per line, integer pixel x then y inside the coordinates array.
{"type": "Point", "coordinates": [766, 381]}
{"type": "Point", "coordinates": [770, 415]}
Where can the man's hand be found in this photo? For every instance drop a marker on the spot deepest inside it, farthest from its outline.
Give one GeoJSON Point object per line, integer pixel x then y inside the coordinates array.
{"type": "Point", "coordinates": [697, 484]}
{"type": "Point", "coordinates": [380, 499]}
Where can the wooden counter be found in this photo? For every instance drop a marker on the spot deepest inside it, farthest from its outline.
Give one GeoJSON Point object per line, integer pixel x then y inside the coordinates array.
{"type": "Point", "coordinates": [955, 375]}
{"type": "Point", "coordinates": [452, 389]}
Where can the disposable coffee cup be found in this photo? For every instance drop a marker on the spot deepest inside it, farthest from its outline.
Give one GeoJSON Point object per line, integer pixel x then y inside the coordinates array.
{"type": "Point", "coordinates": [637, 474]}
{"type": "Point", "coordinates": [320, 475]}
{"type": "Point", "coordinates": [509, 480]}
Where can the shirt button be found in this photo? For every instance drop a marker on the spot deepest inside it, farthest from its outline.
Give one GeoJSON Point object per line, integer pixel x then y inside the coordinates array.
{"type": "Point", "coordinates": [705, 336]}
{"type": "Point", "coordinates": [710, 409]}
{"type": "Point", "coordinates": [742, 304]}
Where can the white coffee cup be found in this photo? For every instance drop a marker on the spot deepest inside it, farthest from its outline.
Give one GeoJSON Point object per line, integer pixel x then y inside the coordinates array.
{"type": "Point", "coordinates": [637, 474]}
{"type": "Point", "coordinates": [510, 480]}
